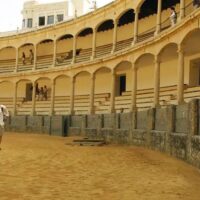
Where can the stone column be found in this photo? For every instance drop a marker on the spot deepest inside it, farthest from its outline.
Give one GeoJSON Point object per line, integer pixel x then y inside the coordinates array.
{"type": "Point", "coordinates": [135, 35]}
{"type": "Point", "coordinates": [112, 95]}
{"type": "Point", "coordinates": [114, 36]}
{"type": "Point", "coordinates": [54, 53]}
{"type": "Point", "coordinates": [33, 99]}
{"type": "Point", "coordinates": [15, 99]}
{"type": "Point", "coordinates": [52, 97]}
{"type": "Point", "coordinates": [156, 82]}
{"type": "Point", "coordinates": [35, 57]}
{"type": "Point", "coordinates": [180, 88]}
{"type": "Point", "coordinates": [94, 44]}
{"type": "Point", "coordinates": [74, 49]}
{"type": "Point", "coordinates": [182, 9]}
{"type": "Point", "coordinates": [17, 60]}
{"type": "Point", "coordinates": [92, 93]}
{"type": "Point", "coordinates": [72, 95]}
{"type": "Point", "coordinates": [159, 17]}
{"type": "Point", "coordinates": [134, 88]}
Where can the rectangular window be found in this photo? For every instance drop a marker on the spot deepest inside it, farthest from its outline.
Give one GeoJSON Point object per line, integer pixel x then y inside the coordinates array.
{"type": "Point", "coordinates": [30, 23]}
{"type": "Point", "coordinates": [41, 21]}
{"type": "Point", "coordinates": [50, 19]}
{"type": "Point", "coordinates": [60, 17]}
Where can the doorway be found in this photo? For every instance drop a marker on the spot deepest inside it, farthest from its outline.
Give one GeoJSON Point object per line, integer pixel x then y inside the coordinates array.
{"type": "Point", "coordinates": [121, 85]}
{"type": "Point", "coordinates": [29, 88]}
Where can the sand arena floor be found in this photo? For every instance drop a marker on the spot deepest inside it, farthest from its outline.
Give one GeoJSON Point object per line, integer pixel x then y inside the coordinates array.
{"type": "Point", "coordinates": [45, 168]}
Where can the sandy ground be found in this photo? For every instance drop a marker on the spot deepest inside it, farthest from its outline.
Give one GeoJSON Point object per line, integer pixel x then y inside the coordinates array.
{"type": "Point", "coordinates": [45, 168]}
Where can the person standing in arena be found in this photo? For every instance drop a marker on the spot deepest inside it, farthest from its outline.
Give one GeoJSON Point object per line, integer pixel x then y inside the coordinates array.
{"type": "Point", "coordinates": [3, 115]}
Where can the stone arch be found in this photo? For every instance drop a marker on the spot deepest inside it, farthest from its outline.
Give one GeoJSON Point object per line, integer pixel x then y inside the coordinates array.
{"type": "Point", "coordinates": [26, 48]}
{"type": "Point", "coordinates": [145, 71]}
{"type": "Point", "coordinates": [104, 37]}
{"type": "Point", "coordinates": [123, 77]}
{"type": "Point", "coordinates": [8, 59]}
{"type": "Point", "coordinates": [62, 86]}
{"type": "Point", "coordinates": [84, 44]}
{"type": "Point", "coordinates": [64, 49]}
{"type": "Point", "coordinates": [102, 77]}
{"type": "Point", "coordinates": [45, 51]}
{"type": "Point", "coordinates": [191, 48]}
{"type": "Point", "coordinates": [168, 57]}
{"type": "Point", "coordinates": [82, 83]}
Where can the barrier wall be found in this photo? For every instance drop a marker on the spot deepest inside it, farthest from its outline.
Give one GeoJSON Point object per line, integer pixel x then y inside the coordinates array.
{"type": "Point", "coordinates": [173, 129]}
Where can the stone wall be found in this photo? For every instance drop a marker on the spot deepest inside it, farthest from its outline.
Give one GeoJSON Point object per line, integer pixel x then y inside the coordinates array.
{"type": "Point", "coordinates": [173, 129]}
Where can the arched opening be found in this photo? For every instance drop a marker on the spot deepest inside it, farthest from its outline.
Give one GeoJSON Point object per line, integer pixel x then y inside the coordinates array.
{"type": "Point", "coordinates": [125, 29]}
{"type": "Point", "coordinates": [6, 95]}
{"type": "Point", "coordinates": [104, 38]}
{"type": "Point", "coordinates": [43, 95]}
{"type": "Point", "coordinates": [84, 45]}
{"type": "Point", "coordinates": [102, 94]}
{"type": "Point", "coordinates": [147, 19]}
{"type": "Point", "coordinates": [64, 50]}
{"type": "Point", "coordinates": [192, 58]}
{"type": "Point", "coordinates": [45, 50]}
{"type": "Point", "coordinates": [82, 92]}
{"type": "Point", "coordinates": [145, 80]}
{"type": "Point", "coordinates": [168, 73]}
{"type": "Point", "coordinates": [24, 95]}
{"type": "Point", "coordinates": [123, 86]}
{"type": "Point", "coordinates": [26, 57]}
{"type": "Point", "coordinates": [7, 59]}
{"type": "Point", "coordinates": [62, 95]}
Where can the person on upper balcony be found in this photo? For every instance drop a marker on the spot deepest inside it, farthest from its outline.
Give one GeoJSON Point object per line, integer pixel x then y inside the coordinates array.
{"type": "Point", "coordinates": [31, 56]}
{"type": "Point", "coordinates": [23, 58]}
{"type": "Point", "coordinates": [173, 16]}
{"type": "Point", "coordinates": [196, 3]}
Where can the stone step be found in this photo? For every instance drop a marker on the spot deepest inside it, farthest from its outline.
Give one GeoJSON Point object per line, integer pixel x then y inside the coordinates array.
{"type": "Point", "coordinates": [89, 142]}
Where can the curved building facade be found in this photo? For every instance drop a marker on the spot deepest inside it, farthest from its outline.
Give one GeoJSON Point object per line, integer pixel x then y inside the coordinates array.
{"type": "Point", "coordinates": [126, 56]}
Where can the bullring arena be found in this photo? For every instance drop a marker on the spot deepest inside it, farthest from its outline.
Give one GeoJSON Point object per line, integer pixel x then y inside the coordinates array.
{"type": "Point", "coordinates": [123, 74]}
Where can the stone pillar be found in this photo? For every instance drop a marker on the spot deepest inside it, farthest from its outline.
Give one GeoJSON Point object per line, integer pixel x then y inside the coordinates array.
{"type": "Point", "coordinates": [72, 95]}
{"type": "Point", "coordinates": [135, 35]}
{"type": "Point", "coordinates": [54, 53]}
{"type": "Point", "coordinates": [33, 99]}
{"type": "Point", "coordinates": [134, 88]}
{"type": "Point", "coordinates": [114, 36]}
{"type": "Point", "coordinates": [193, 125]}
{"type": "Point", "coordinates": [35, 57]}
{"type": "Point", "coordinates": [156, 82]}
{"type": "Point", "coordinates": [74, 49]}
{"type": "Point", "coordinates": [52, 97]}
{"type": "Point", "coordinates": [92, 94]}
{"type": "Point", "coordinates": [180, 89]}
{"type": "Point", "coordinates": [159, 17]}
{"type": "Point", "coordinates": [112, 95]}
{"type": "Point", "coordinates": [170, 126]}
{"type": "Point", "coordinates": [15, 100]}
{"type": "Point", "coordinates": [17, 60]}
{"type": "Point", "coordinates": [182, 9]}
{"type": "Point", "coordinates": [150, 125]}
{"type": "Point", "coordinates": [94, 44]}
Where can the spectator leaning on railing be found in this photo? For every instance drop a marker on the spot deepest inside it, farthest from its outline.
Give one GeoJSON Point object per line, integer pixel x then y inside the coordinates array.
{"type": "Point", "coordinates": [3, 115]}
{"type": "Point", "coordinates": [173, 16]}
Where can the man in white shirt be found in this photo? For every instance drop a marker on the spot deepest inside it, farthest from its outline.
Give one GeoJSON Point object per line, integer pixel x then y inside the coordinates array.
{"type": "Point", "coordinates": [3, 114]}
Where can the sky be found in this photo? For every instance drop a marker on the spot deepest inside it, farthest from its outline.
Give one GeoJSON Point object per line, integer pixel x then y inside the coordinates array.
{"type": "Point", "coordinates": [10, 12]}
